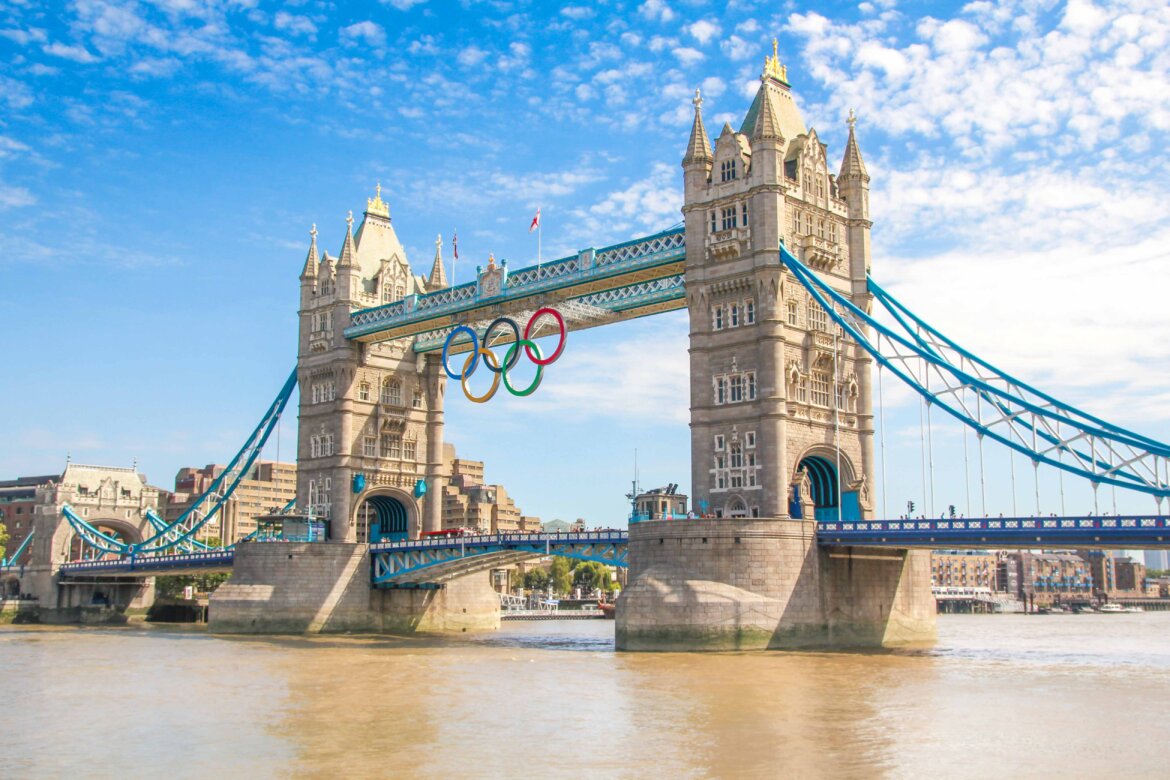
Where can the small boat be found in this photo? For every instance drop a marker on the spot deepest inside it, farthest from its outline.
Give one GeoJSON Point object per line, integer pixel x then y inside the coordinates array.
{"type": "Point", "coordinates": [1111, 607]}
{"type": "Point", "coordinates": [1133, 609]}
{"type": "Point", "coordinates": [608, 611]}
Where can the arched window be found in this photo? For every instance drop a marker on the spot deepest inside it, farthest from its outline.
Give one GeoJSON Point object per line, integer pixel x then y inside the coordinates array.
{"type": "Point", "coordinates": [392, 392]}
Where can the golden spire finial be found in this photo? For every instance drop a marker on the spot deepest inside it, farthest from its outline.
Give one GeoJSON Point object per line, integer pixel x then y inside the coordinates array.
{"type": "Point", "coordinates": [376, 205]}
{"type": "Point", "coordinates": [852, 120]}
{"type": "Point", "coordinates": [313, 232]}
{"type": "Point", "coordinates": [772, 66]}
{"type": "Point", "coordinates": [698, 100]}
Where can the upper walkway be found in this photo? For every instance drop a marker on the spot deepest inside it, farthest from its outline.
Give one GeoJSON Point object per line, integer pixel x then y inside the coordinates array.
{"type": "Point", "coordinates": [593, 287]}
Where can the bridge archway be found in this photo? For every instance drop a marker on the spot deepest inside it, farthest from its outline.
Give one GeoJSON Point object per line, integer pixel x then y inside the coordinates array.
{"type": "Point", "coordinates": [385, 515]}
{"type": "Point", "coordinates": [816, 483]}
{"type": "Point", "coordinates": [124, 530]}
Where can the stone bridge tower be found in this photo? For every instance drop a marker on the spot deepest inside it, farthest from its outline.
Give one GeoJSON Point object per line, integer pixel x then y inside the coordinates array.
{"type": "Point", "coordinates": [370, 443]}
{"type": "Point", "coordinates": [781, 415]}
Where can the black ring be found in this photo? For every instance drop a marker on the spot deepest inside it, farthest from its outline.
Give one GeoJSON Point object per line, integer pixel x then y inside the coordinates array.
{"type": "Point", "coordinates": [487, 335]}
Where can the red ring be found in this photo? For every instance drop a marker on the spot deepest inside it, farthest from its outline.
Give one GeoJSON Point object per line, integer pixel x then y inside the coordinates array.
{"type": "Point", "coordinates": [560, 346]}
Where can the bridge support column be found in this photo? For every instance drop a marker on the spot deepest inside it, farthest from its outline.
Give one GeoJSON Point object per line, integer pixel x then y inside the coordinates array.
{"type": "Point", "coordinates": [738, 584]}
{"type": "Point", "coordinates": [325, 588]}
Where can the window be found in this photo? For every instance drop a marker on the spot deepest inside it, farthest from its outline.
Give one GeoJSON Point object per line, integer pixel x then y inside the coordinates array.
{"type": "Point", "coordinates": [736, 388]}
{"type": "Point", "coordinates": [744, 214]}
{"type": "Point", "coordinates": [392, 392]}
{"type": "Point", "coordinates": [750, 382]}
{"type": "Point", "coordinates": [327, 445]}
{"type": "Point", "coordinates": [364, 391]}
{"type": "Point", "coordinates": [369, 446]}
{"type": "Point", "coordinates": [821, 228]}
{"type": "Point", "coordinates": [793, 314]}
{"type": "Point", "coordinates": [409, 450]}
{"type": "Point", "coordinates": [720, 484]}
{"type": "Point", "coordinates": [416, 399]}
{"type": "Point", "coordinates": [735, 315]}
{"type": "Point", "coordinates": [314, 446]}
{"type": "Point", "coordinates": [736, 479]}
{"type": "Point", "coordinates": [727, 170]}
{"type": "Point", "coordinates": [818, 318]}
{"type": "Point", "coordinates": [720, 390]}
{"type": "Point", "coordinates": [717, 314]}
{"type": "Point", "coordinates": [751, 472]}
{"type": "Point", "coordinates": [719, 443]}
{"type": "Point", "coordinates": [391, 445]}
{"type": "Point", "coordinates": [820, 388]}
{"type": "Point", "coordinates": [749, 311]}
{"type": "Point", "coordinates": [749, 440]}
{"type": "Point", "coordinates": [714, 222]}
{"type": "Point", "coordinates": [728, 222]}
{"type": "Point", "coordinates": [802, 389]}
{"type": "Point", "coordinates": [737, 456]}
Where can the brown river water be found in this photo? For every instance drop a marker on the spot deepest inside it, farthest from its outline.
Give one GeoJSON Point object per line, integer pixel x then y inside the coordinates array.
{"type": "Point", "coordinates": [999, 696]}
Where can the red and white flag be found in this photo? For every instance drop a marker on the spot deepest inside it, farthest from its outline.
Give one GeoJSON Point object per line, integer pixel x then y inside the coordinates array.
{"type": "Point", "coordinates": [535, 222]}
{"type": "Point", "coordinates": [455, 243]}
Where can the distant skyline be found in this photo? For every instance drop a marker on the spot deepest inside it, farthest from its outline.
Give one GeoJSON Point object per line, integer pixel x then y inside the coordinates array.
{"type": "Point", "coordinates": [162, 161]}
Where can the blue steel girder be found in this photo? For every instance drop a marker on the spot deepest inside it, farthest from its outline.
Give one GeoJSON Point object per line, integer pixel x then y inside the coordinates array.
{"type": "Point", "coordinates": [434, 560]}
{"type": "Point", "coordinates": [1109, 532]}
{"type": "Point", "coordinates": [993, 403]}
{"type": "Point", "coordinates": [627, 266]}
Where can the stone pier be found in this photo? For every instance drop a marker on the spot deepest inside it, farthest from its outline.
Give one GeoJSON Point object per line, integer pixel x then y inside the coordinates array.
{"type": "Point", "coordinates": [744, 584]}
{"type": "Point", "coordinates": [325, 588]}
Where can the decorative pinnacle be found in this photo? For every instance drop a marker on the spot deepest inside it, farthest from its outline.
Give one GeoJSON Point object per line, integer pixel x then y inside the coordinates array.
{"type": "Point", "coordinates": [376, 205]}
{"type": "Point", "coordinates": [698, 101]}
{"type": "Point", "coordinates": [313, 233]}
{"type": "Point", "coordinates": [438, 242]}
{"type": "Point", "coordinates": [772, 66]}
{"type": "Point", "coordinates": [349, 219]}
{"type": "Point", "coordinates": [852, 120]}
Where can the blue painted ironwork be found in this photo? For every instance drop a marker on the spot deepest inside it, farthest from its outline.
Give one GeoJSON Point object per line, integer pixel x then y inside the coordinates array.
{"type": "Point", "coordinates": [441, 558]}
{"type": "Point", "coordinates": [181, 532]}
{"type": "Point", "coordinates": [1125, 531]}
{"type": "Point", "coordinates": [11, 560]}
{"type": "Point", "coordinates": [991, 402]}
{"type": "Point", "coordinates": [132, 565]}
{"type": "Point", "coordinates": [588, 265]}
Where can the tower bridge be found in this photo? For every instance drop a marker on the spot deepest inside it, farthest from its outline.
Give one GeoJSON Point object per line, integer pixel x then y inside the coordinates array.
{"type": "Point", "coordinates": [773, 265]}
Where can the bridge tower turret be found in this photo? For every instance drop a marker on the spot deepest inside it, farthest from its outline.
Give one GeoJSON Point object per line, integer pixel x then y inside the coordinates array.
{"type": "Point", "coordinates": [781, 426]}
{"type": "Point", "coordinates": [370, 445]}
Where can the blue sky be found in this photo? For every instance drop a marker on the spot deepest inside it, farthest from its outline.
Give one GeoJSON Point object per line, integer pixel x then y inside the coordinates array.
{"type": "Point", "coordinates": [161, 164]}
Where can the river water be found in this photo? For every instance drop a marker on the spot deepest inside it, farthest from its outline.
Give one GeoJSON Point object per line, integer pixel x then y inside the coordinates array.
{"type": "Point", "coordinates": [1000, 695]}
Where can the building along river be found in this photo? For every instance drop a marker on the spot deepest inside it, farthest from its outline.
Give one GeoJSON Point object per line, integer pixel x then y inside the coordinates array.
{"type": "Point", "coordinates": [1006, 695]}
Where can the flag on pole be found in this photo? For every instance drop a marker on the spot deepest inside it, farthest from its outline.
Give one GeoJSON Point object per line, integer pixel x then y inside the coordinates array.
{"type": "Point", "coordinates": [455, 243]}
{"type": "Point", "coordinates": [535, 222]}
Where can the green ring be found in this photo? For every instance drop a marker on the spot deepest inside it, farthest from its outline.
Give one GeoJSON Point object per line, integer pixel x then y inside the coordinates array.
{"type": "Point", "coordinates": [539, 368]}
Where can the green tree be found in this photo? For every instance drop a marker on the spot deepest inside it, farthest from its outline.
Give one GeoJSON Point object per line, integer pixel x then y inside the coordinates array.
{"type": "Point", "coordinates": [591, 574]}
{"type": "Point", "coordinates": [535, 579]}
{"type": "Point", "coordinates": [172, 586]}
{"type": "Point", "coordinates": [3, 540]}
{"type": "Point", "coordinates": [562, 580]}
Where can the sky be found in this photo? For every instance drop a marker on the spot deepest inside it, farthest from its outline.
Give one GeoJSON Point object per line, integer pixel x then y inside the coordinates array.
{"type": "Point", "coordinates": [162, 162]}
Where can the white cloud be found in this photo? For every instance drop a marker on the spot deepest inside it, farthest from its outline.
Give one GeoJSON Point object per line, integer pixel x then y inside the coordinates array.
{"type": "Point", "coordinates": [76, 53]}
{"type": "Point", "coordinates": [370, 32]}
{"type": "Point", "coordinates": [713, 86]}
{"type": "Point", "coordinates": [298, 25]}
{"type": "Point", "coordinates": [652, 203]}
{"type": "Point", "coordinates": [404, 5]}
{"type": "Point", "coordinates": [656, 10]}
{"type": "Point", "coordinates": [15, 93]}
{"type": "Point", "coordinates": [25, 36]}
{"type": "Point", "coordinates": [703, 31]}
{"type": "Point", "coordinates": [577, 12]}
{"type": "Point", "coordinates": [688, 56]}
{"type": "Point", "coordinates": [15, 197]}
{"type": "Point", "coordinates": [471, 56]}
{"type": "Point", "coordinates": [736, 48]}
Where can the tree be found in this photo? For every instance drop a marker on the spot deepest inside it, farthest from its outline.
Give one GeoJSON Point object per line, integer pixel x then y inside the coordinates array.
{"type": "Point", "coordinates": [3, 540]}
{"type": "Point", "coordinates": [589, 575]}
{"type": "Point", "coordinates": [562, 581]}
{"type": "Point", "coordinates": [535, 579]}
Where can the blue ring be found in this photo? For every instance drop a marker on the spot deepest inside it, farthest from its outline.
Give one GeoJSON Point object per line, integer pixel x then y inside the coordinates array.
{"type": "Point", "coordinates": [474, 347]}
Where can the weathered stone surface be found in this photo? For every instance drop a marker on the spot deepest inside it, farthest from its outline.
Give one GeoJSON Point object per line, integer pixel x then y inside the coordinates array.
{"type": "Point", "coordinates": [325, 588]}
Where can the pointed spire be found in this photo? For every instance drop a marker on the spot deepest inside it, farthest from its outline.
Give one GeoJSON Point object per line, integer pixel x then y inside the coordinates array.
{"type": "Point", "coordinates": [767, 120]}
{"type": "Point", "coordinates": [311, 261]}
{"type": "Point", "coordinates": [327, 265]}
{"type": "Point", "coordinates": [438, 278]}
{"type": "Point", "coordinates": [699, 148]}
{"type": "Point", "coordinates": [347, 249]}
{"type": "Point", "coordinates": [852, 164]}
{"type": "Point", "coordinates": [376, 206]}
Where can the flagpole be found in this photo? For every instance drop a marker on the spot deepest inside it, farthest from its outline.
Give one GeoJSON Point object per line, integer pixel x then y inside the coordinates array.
{"type": "Point", "coordinates": [538, 229]}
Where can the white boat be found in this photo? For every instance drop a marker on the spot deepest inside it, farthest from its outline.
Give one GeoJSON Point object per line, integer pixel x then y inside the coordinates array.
{"type": "Point", "coordinates": [1133, 609]}
{"type": "Point", "coordinates": [1111, 607]}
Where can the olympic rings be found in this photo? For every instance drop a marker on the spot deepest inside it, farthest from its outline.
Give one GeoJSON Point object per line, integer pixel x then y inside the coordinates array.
{"type": "Point", "coordinates": [500, 369]}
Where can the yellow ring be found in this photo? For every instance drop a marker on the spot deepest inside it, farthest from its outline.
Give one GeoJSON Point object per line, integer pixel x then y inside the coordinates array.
{"type": "Point", "coordinates": [490, 359]}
